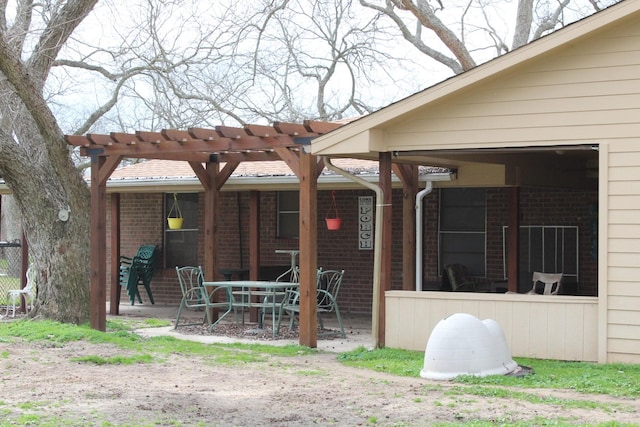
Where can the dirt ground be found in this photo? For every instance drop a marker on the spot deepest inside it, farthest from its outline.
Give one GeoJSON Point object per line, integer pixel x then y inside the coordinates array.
{"type": "Point", "coordinates": [42, 379]}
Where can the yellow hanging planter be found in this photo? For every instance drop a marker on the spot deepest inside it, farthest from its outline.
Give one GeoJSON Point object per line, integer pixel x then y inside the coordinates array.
{"type": "Point", "coordinates": [175, 222]}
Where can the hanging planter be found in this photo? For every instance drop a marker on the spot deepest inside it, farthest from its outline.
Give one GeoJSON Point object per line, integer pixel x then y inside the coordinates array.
{"type": "Point", "coordinates": [175, 221]}
{"type": "Point", "coordinates": [333, 222]}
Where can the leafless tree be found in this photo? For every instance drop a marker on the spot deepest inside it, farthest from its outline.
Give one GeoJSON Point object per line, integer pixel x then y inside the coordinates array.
{"type": "Point", "coordinates": [460, 34]}
{"type": "Point", "coordinates": [34, 160]}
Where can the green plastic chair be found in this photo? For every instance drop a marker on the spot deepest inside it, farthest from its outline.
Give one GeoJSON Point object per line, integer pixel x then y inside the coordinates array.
{"type": "Point", "coordinates": [139, 270]}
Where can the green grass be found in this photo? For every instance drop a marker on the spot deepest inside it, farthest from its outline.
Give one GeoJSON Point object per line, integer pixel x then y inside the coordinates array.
{"type": "Point", "coordinates": [618, 380]}
{"type": "Point", "coordinates": [136, 349]}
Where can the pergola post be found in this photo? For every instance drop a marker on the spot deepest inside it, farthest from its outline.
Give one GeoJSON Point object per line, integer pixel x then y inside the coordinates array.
{"type": "Point", "coordinates": [98, 258]}
{"type": "Point", "coordinates": [308, 250]}
{"type": "Point", "coordinates": [114, 307]}
{"type": "Point", "coordinates": [211, 198]}
{"type": "Point", "coordinates": [254, 235]}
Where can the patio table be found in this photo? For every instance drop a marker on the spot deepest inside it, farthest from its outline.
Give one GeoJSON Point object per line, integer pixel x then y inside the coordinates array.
{"type": "Point", "coordinates": [247, 294]}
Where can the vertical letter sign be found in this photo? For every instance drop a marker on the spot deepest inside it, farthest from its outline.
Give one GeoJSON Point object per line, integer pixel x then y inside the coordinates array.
{"type": "Point", "coordinates": [365, 222]}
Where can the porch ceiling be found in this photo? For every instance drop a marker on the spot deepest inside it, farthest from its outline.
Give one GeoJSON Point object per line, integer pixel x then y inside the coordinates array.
{"type": "Point", "coordinates": [571, 166]}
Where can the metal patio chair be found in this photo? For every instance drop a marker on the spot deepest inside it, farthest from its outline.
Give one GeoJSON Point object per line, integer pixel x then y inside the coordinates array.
{"type": "Point", "coordinates": [195, 296]}
{"type": "Point", "coordinates": [328, 286]}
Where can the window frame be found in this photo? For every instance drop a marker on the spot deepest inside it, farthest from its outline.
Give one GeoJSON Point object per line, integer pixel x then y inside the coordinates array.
{"type": "Point", "coordinates": [453, 232]}
{"type": "Point", "coordinates": [180, 246]}
{"type": "Point", "coordinates": [291, 213]}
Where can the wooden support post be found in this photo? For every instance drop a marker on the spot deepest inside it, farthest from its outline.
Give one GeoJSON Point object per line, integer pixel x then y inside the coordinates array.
{"type": "Point", "coordinates": [98, 258]}
{"type": "Point", "coordinates": [254, 235]}
{"type": "Point", "coordinates": [385, 268]}
{"type": "Point", "coordinates": [114, 298]}
{"type": "Point", "coordinates": [513, 265]}
{"type": "Point", "coordinates": [408, 174]}
{"type": "Point", "coordinates": [308, 250]}
{"type": "Point", "coordinates": [211, 199]}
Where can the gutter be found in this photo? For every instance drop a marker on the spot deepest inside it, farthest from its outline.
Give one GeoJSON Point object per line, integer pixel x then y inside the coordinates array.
{"type": "Point", "coordinates": [377, 251]}
{"type": "Point", "coordinates": [421, 195]}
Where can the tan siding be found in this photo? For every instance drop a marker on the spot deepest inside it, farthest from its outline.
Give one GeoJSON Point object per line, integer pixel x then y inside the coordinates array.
{"type": "Point", "coordinates": [623, 317]}
{"type": "Point", "coordinates": [628, 347]}
{"type": "Point", "coordinates": [624, 231]}
{"type": "Point", "coordinates": [581, 94]}
{"type": "Point", "coordinates": [623, 258]}
{"type": "Point", "coordinates": [621, 245]}
{"type": "Point", "coordinates": [629, 287]}
{"type": "Point", "coordinates": [624, 331]}
{"type": "Point", "coordinates": [534, 326]}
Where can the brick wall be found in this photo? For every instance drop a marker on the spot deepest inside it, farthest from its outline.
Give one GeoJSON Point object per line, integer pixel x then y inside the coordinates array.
{"type": "Point", "coordinates": [142, 221]}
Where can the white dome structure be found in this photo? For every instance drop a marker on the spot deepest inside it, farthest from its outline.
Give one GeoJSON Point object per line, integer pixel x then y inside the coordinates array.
{"type": "Point", "coordinates": [461, 344]}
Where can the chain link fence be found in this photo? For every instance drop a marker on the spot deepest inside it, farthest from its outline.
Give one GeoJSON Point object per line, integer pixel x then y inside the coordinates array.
{"type": "Point", "coordinates": [10, 268]}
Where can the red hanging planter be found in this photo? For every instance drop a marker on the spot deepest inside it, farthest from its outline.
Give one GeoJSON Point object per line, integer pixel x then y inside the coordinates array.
{"type": "Point", "coordinates": [333, 223]}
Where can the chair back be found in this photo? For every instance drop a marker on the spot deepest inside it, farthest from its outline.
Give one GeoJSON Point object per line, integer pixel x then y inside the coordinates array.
{"type": "Point", "coordinates": [290, 275]}
{"type": "Point", "coordinates": [31, 280]}
{"type": "Point", "coordinates": [458, 278]}
{"type": "Point", "coordinates": [191, 279]}
{"type": "Point", "coordinates": [548, 281]}
{"type": "Point", "coordinates": [145, 261]}
{"type": "Point", "coordinates": [328, 285]}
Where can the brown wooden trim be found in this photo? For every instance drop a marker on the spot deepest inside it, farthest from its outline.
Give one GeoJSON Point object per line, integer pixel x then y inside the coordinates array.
{"type": "Point", "coordinates": [254, 235]}
{"type": "Point", "coordinates": [514, 239]}
{"type": "Point", "coordinates": [201, 173]}
{"type": "Point", "coordinates": [291, 159]}
{"type": "Point", "coordinates": [225, 173]}
{"type": "Point", "coordinates": [408, 174]}
{"type": "Point", "coordinates": [98, 295]}
{"type": "Point", "coordinates": [308, 330]}
{"type": "Point", "coordinates": [114, 306]}
{"type": "Point", "coordinates": [110, 164]}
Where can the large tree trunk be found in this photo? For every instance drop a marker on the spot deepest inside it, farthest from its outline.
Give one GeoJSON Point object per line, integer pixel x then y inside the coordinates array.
{"type": "Point", "coordinates": [53, 201]}
{"type": "Point", "coordinates": [49, 191]}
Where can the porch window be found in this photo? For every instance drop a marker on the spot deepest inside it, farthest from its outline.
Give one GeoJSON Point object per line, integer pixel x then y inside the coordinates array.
{"type": "Point", "coordinates": [462, 229]}
{"type": "Point", "coordinates": [181, 246]}
{"type": "Point", "coordinates": [288, 214]}
{"type": "Point", "coordinates": [548, 249]}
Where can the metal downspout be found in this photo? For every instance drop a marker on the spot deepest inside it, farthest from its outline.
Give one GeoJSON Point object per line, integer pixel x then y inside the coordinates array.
{"type": "Point", "coordinates": [419, 238]}
{"type": "Point", "coordinates": [377, 245]}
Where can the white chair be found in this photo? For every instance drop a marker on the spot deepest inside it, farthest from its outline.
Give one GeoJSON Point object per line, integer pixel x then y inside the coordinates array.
{"type": "Point", "coordinates": [543, 283]}
{"type": "Point", "coordinates": [14, 296]}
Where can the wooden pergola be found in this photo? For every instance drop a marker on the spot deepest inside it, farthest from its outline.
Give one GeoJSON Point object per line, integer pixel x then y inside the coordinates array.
{"type": "Point", "coordinates": [207, 150]}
